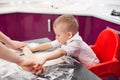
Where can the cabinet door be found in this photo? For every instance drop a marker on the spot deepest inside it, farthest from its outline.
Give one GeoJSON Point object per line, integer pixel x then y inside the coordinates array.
{"type": "Point", "coordinates": [86, 29]}
{"type": "Point", "coordinates": [96, 26]}
{"type": "Point", "coordinates": [111, 25]}
{"type": "Point", "coordinates": [100, 24]}
{"type": "Point", "coordinates": [35, 26]}
{"type": "Point", "coordinates": [89, 28]}
{"type": "Point", "coordinates": [9, 25]}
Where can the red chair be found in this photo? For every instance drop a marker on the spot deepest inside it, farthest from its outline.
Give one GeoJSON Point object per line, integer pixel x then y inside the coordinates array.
{"type": "Point", "coordinates": [106, 49]}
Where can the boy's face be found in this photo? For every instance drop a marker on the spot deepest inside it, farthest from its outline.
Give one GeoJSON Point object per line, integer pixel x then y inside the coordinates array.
{"type": "Point", "coordinates": [61, 34]}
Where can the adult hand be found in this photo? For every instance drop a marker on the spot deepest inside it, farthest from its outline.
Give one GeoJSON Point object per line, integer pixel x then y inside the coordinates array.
{"type": "Point", "coordinates": [31, 66]}
{"type": "Point", "coordinates": [16, 44]}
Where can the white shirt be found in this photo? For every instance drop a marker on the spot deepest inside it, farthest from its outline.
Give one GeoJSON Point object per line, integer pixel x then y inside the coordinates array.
{"type": "Point", "coordinates": [78, 49]}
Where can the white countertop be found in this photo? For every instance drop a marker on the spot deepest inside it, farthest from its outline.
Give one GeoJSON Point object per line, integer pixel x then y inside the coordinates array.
{"type": "Point", "coordinates": [99, 11]}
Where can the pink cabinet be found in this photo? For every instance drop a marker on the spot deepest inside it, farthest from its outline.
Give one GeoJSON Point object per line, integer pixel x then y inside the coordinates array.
{"type": "Point", "coordinates": [28, 26]}
{"type": "Point", "coordinates": [97, 26]}
{"type": "Point", "coordinates": [93, 27]}
{"type": "Point", "coordinates": [90, 27]}
{"type": "Point", "coordinates": [10, 26]}
{"type": "Point", "coordinates": [34, 26]}
{"type": "Point", "coordinates": [85, 28]}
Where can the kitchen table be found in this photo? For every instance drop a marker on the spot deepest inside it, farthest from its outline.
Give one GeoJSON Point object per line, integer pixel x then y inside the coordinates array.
{"type": "Point", "coordinates": [69, 69]}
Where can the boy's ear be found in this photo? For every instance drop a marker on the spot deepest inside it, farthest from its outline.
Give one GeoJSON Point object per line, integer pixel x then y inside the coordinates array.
{"type": "Point", "coordinates": [69, 34]}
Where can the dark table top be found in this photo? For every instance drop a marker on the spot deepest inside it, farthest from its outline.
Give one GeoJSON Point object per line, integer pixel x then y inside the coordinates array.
{"type": "Point", "coordinates": [68, 70]}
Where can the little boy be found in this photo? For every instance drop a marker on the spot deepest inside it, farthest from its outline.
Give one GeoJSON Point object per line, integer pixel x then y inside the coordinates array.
{"type": "Point", "coordinates": [68, 42]}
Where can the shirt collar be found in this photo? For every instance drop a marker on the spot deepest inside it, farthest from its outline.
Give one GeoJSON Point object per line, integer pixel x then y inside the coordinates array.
{"type": "Point", "coordinates": [75, 37]}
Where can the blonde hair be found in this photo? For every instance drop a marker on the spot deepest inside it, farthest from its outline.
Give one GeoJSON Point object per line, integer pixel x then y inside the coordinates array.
{"type": "Point", "coordinates": [69, 20]}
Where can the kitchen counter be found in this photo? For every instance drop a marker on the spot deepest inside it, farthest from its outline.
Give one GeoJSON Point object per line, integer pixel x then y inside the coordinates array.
{"type": "Point", "coordinates": [99, 11]}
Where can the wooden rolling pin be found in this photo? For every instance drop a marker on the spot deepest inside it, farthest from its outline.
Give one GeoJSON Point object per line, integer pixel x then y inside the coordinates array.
{"type": "Point", "coordinates": [29, 54]}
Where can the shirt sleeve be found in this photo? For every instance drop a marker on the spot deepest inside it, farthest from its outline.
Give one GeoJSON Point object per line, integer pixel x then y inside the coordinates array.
{"type": "Point", "coordinates": [72, 48]}
{"type": "Point", "coordinates": [55, 44]}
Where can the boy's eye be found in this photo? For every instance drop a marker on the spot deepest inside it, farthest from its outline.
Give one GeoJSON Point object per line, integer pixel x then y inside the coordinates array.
{"type": "Point", "coordinates": [58, 35]}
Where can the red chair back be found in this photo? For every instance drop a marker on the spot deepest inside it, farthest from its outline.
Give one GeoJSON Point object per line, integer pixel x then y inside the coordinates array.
{"type": "Point", "coordinates": [106, 45]}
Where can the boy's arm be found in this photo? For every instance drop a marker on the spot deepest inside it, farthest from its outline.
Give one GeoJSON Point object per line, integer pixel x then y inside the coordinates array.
{"type": "Point", "coordinates": [41, 47]}
{"type": "Point", "coordinates": [53, 55]}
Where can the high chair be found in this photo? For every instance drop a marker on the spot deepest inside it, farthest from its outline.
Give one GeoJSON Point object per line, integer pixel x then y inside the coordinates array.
{"type": "Point", "coordinates": [106, 49]}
